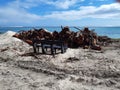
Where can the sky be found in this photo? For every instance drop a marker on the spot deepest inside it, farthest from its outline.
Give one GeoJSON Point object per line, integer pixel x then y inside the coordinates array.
{"type": "Point", "coordinates": [59, 12]}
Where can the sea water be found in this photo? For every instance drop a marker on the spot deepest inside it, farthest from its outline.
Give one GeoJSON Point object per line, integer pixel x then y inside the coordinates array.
{"type": "Point", "coordinates": [113, 32]}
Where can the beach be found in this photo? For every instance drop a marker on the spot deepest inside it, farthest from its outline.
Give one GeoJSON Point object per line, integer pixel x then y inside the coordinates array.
{"type": "Point", "coordinates": [77, 69]}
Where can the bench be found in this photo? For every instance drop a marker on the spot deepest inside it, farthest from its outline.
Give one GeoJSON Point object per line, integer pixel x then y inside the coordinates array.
{"type": "Point", "coordinates": [53, 45]}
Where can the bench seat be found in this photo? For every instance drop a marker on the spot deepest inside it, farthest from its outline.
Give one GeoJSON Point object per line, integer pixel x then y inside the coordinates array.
{"type": "Point", "coordinates": [53, 45]}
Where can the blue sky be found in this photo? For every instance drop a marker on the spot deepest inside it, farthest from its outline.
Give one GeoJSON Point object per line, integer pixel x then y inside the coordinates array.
{"type": "Point", "coordinates": [59, 12]}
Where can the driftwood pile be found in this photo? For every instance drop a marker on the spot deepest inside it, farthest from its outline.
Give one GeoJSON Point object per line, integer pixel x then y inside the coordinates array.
{"type": "Point", "coordinates": [83, 38]}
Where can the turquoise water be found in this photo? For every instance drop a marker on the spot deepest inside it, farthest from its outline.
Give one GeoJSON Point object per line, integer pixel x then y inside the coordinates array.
{"type": "Point", "coordinates": [113, 32]}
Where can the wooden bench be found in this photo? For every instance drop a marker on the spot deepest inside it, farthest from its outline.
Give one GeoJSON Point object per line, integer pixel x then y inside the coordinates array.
{"type": "Point", "coordinates": [53, 45]}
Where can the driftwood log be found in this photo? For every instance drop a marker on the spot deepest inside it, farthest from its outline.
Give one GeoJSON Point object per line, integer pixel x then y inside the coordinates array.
{"type": "Point", "coordinates": [82, 38]}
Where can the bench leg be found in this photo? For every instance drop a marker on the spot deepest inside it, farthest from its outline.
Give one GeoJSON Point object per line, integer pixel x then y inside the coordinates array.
{"type": "Point", "coordinates": [34, 48]}
{"type": "Point", "coordinates": [52, 50]}
{"type": "Point", "coordinates": [62, 50]}
{"type": "Point", "coordinates": [38, 49]}
{"type": "Point", "coordinates": [46, 48]}
{"type": "Point", "coordinates": [43, 51]}
{"type": "Point", "coordinates": [55, 50]}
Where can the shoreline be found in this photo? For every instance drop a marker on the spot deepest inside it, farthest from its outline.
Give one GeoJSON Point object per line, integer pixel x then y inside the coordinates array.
{"type": "Point", "coordinates": [112, 32]}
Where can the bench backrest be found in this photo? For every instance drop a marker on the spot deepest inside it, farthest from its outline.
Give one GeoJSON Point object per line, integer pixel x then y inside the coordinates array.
{"type": "Point", "coordinates": [56, 42]}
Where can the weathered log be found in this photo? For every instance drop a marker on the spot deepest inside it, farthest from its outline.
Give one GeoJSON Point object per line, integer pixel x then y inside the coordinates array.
{"type": "Point", "coordinates": [85, 38]}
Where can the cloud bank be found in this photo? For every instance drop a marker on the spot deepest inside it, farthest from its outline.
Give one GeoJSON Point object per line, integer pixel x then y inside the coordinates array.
{"type": "Point", "coordinates": [17, 11]}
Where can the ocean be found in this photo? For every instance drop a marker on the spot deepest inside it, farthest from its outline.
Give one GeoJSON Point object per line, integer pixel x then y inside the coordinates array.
{"type": "Point", "coordinates": [112, 32]}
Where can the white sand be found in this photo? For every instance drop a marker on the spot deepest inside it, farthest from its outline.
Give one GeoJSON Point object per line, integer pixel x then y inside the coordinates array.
{"type": "Point", "coordinates": [77, 69]}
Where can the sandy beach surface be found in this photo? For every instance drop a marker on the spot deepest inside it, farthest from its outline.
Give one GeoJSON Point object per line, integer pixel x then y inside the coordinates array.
{"type": "Point", "coordinates": [77, 69]}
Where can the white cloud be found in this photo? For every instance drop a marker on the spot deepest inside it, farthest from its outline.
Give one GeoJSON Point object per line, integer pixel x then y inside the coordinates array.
{"type": "Point", "coordinates": [23, 4]}
{"type": "Point", "coordinates": [14, 13]}
{"type": "Point", "coordinates": [26, 4]}
{"type": "Point", "coordinates": [63, 4]}
{"type": "Point", "coordinates": [104, 11]}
